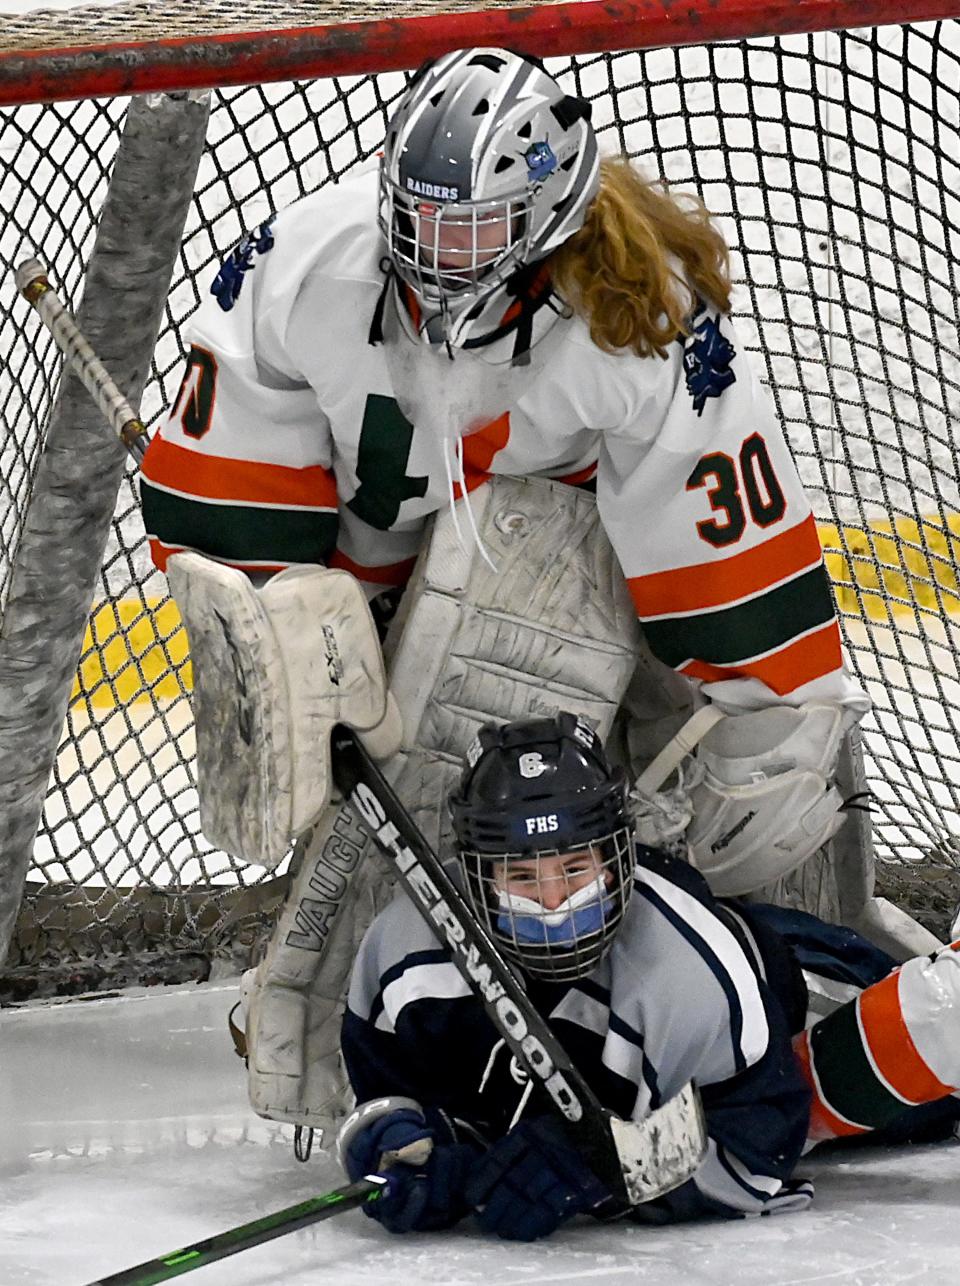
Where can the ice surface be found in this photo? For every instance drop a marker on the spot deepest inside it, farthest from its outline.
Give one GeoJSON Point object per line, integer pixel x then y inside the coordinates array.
{"type": "Point", "coordinates": [124, 1134]}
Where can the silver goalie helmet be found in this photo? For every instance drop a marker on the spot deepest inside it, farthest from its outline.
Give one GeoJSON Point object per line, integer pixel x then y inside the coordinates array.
{"type": "Point", "coordinates": [488, 166]}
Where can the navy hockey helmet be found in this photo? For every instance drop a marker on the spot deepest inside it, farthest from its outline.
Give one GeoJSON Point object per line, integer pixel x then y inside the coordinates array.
{"type": "Point", "coordinates": [545, 841]}
{"type": "Point", "coordinates": [488, 166]}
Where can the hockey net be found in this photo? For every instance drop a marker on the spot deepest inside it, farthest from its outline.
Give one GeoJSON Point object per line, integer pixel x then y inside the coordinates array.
{"type": "Point", "coordinates": [830, 160]}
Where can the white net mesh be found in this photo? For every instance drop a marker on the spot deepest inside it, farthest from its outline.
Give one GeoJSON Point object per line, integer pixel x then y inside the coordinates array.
{"type": "Point", "coordinates": [831, 162]}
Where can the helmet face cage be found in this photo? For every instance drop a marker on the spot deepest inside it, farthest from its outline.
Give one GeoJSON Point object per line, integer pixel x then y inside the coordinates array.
{"type": "Point", "coordinates": [484, 150]}
{"type": "Point", "coordinates": [448, 252]}
{"type": "Point", "coordinates": [555, 913]}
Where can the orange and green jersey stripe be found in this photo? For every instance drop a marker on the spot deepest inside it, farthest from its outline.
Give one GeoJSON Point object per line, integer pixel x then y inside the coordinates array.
{"type": "Point", "coordinates": [863, 1061]}
{"type": "Point", "coordinates": [765, 613]}
{"type": "Point", "coordinates": [249, 514]}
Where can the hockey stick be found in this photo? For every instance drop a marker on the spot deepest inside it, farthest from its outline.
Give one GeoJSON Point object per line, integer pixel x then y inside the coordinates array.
{"type": "Point", "coordinates": [370, 1188]}
{"type": "Point", "coordinates": [32, 282]}
{"type": "Point", "coordinates": [636, 1160]}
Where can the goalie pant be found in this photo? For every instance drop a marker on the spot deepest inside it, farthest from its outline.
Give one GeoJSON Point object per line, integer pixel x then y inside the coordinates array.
{"type": "Point", "coordinates": [693, 988]}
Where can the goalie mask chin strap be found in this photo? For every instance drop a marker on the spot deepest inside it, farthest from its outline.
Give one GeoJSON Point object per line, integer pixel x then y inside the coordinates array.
{"type": "Point", "coordinates": [375, 333]}
{"type": "Point", "coordinates": [529, 288]}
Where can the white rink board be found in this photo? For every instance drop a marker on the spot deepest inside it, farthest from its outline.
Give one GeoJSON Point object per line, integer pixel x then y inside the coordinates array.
{"type": "Point", "coordinates": [140, 1142]}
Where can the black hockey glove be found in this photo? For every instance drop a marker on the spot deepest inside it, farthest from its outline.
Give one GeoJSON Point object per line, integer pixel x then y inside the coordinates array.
{"type": "Point", "coordinates": [424, 1192]}
{"type": "Point", "coordinates": [530, 1182]}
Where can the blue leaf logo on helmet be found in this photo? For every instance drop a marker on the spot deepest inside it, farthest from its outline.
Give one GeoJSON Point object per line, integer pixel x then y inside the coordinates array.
{"type": "Point", "coordinates": [540, 161]}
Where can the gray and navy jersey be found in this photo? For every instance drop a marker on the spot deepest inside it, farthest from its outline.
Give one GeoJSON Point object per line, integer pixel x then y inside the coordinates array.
{"type": "Point", "coordinates": [687, 992]}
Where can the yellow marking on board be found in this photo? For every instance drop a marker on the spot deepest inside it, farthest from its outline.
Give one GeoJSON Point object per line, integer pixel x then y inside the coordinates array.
{"type": "Point", "coordinates": [133, 651]}
{"type": "Point", "coordinates": [894, 568]}
{"type": "Point", "coordinates": [138, 652]}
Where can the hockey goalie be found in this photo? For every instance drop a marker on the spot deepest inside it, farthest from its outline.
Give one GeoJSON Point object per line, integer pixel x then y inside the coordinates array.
{"type": "Point", "coordinates": [497, 381]}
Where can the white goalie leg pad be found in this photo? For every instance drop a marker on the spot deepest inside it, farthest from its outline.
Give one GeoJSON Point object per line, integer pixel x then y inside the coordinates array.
{"type": "Point", "coordinates": [273, 670]}
{"type": "Point", "coordinates": [765, 799]}
{"type": "Point", "coordinates": [555, 629]}
{"type": "Point", "coordinates": [295, 998]}
{"type": "Point", "coordinates": [292, 1007]}
{"type": "Point", "coordinates": [552, 628]}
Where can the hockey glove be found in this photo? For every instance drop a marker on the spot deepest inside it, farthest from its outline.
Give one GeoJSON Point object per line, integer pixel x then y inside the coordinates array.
{"type": "Point", "coordinates": [530, 1182]}
{"type": "Point", "coordinates": [417, 1149]}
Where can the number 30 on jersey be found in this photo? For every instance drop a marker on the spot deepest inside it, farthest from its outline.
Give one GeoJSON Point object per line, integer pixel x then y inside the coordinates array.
{"type": "Point", "coordinates": [736, 487]}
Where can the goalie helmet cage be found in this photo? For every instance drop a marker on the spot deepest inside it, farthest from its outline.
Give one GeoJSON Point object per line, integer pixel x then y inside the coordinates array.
{"type": "Point", "coordinates": [825, 142]}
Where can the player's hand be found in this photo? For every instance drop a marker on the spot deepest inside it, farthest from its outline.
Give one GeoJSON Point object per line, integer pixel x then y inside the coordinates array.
{"type": "Point", "coordinates": [530, 1182]}
{"type": "Point", "coordinates": [425, 1166]}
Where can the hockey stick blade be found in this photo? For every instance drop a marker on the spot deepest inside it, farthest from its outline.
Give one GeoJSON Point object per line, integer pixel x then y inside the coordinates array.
{"type": "Point", "coordinates": [636, 1160]}
{"type": "Point", "coordinates": [247, 1235]}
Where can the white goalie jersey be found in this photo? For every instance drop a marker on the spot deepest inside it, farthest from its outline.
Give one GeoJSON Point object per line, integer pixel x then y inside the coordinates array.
{"type": "Point", "coordinates": [298, 436]}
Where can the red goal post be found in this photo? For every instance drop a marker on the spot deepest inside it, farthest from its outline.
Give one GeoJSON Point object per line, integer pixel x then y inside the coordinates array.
{"type": "Point", "coordinates": [824, 136]}
{"type": "Point", "coordinates": [170, 46]}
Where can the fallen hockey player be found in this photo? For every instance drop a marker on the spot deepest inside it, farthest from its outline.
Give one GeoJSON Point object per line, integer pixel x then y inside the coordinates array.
{"type": "Point", "coordinates": [649, 981]}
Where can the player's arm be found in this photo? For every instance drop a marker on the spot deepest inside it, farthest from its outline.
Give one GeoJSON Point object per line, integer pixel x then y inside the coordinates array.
{"type": "Point", "coordinates": [238, 487]}
{"type": "Point", "coordinates": [734, 1041]}
{"type": "Point", "coordinates": [240, 469]}
{"type": "Point", "coordinates": [402, 1046]}
{"type": "Point", "coordinates": [702, 501]}
{"type": "Point", "coordinates": [703, 504]}
{"type": "Point", "coordinates": [423, 1063]}
{"type": "Point", "coordinates": [756, 1124]}
{"type": "Point", "coordinates": [745, 1172]}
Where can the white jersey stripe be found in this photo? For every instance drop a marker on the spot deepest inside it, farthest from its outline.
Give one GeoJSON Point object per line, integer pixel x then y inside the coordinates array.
{"type": "Point", "coordinates": [724, 1179]}
{"type": "Point", "coordinates": [424, 981]}
{"type": "Point", "coordinates": [755, 1032]}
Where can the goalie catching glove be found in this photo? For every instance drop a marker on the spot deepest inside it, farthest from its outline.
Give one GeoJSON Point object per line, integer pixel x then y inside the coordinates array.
{"type": "Point", "coordinates": [273, 670]}
{"type": "Point", "coordinates": [759, 794]}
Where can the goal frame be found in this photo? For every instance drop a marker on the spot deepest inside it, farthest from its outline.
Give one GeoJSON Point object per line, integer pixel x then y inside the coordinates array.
{"type": "Point", "coordinates": [81, 469]}
{"type": "Point", "coordinates": [38, 65]}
